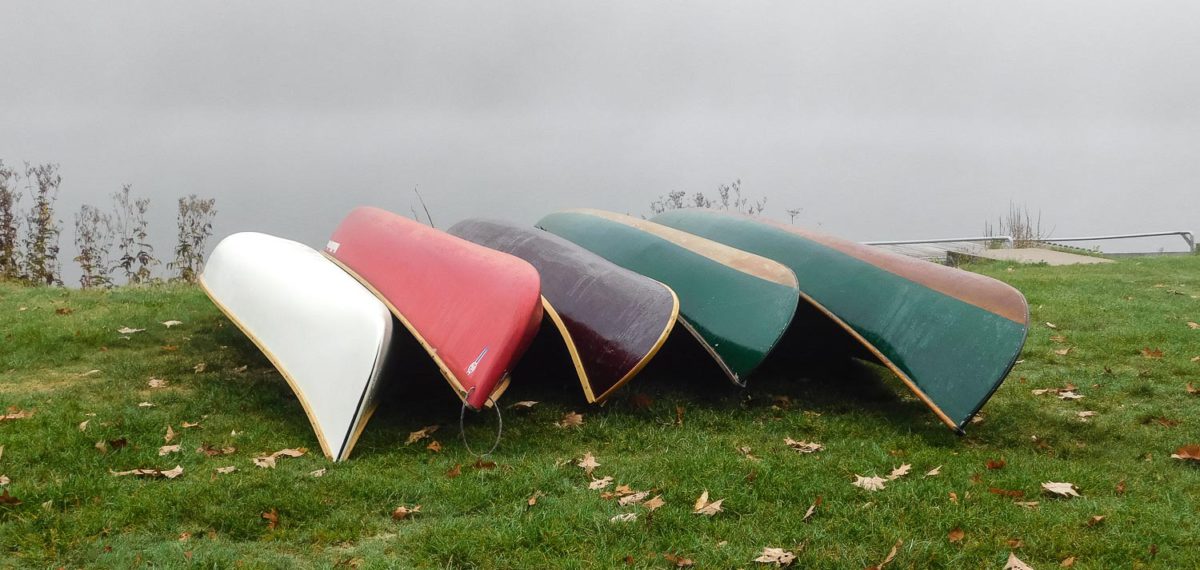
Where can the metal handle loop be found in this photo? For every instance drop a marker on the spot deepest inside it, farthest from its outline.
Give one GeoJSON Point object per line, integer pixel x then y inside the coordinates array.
{"type": "Point", "coordinates": [462, 431]}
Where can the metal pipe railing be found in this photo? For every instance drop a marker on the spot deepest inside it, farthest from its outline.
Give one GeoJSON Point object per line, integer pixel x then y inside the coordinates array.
{"type": "Point", "coordinates": [1187, 236]}
{"type": "Point", "coordinates": [1006, 239]}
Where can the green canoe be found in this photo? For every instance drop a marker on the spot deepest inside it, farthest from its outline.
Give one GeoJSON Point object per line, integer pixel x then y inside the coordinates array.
{"type": "Point", "coordinates": [950, 335]}
{"type": "Point", "coordinates": [736, 303]}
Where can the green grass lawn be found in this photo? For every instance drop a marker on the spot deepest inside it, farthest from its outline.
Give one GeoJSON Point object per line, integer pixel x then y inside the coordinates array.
{"type": "Point", "coordinates": [73, 512]}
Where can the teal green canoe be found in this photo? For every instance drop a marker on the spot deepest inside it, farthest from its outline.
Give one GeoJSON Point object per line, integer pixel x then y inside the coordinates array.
{"type": "Point", "coordinates": [952, 336]}
{"type": "Point", "coordinates": [737, 304]}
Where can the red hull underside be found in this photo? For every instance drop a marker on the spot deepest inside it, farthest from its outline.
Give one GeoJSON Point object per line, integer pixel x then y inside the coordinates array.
{"type": "Point", "coordinates": [475, 309]}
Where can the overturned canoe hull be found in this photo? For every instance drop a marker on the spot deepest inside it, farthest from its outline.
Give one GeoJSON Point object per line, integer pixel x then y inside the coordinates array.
{"type": "Point", "coordinates": [325, 333]}
{"type": "Point", "coordinates": [952, 336]}
{"type": "Point", "coordinates": [612, 320]}
{"type": "Point", "coordinates": [736, 303]}
{"type": "Point", "coordinates": [474, 310]}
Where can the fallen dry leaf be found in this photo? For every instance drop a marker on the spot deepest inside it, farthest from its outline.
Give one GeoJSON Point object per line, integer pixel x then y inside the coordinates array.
{"type": "Point", "coordinates": [169, 435]}
{"type": "Point", "coordinates": [679, 561]}
{"type": "Point", "coordinates": [89, 373]}
{"type": "Point", "coordinates": [189, 425]}
{"type": "Point", "coordinates": [214, 452]}
{"type": "Point", "coordinates": [1084, 415]}
{"type": "Point", "coordinates": [157, 383]}
{"type": "Point", "coordinates": [777, 556]}
{"type": "Point", "coordinates": [996, 464]}
{"type": "Point", "coordinates": [168, 449]}
{"type": "Point", "coordinates": [634, 498]}
{"type": "Point", "coordinates": [1191, 389]}
{"type": "Point", "coordinates": [571, 419]}
{"type": "Point", "coordinates": [705, 508]}
{"type": "Point", "coordinates": [1067, 562]}
{"type": "Point", "coordinates": [588, 463]}
{"type": "Point", "coordinates": [1120, 488]}
{"type": "Point", "coordinates": [745, 451]}
{"type": "Point", "coordinates": [150, 472]}
{"type": "Point", "coordinates": [1152, 353]}
{"type": "Point", "coordinates": [601, 483]}
{"type": "Point", "coordinates": [899, 472]}
{"type": "Point", "coordinates": [523, 405]}
{"type": "Point", "coordinates": [1015, 563]}
{"type": "Point", "coordinates": [420, 434]}
{"type": "Point", "coordinates": [402, 512]}
{"type": "Point", "coordinates": [318, 472]}
{"type": "Point", "coordinates": [627, 517]}
{"type": "Point", "coordinates": [1064, 351]}
{"type": "Point", "coordinates": [1069, 395]}
{"type": "Point", "coordinates": [6, 499]}
{"type": "Point", "coordinates": [226, 470]}
{"type": "Point", "coordinates": [1060, 489]}
{"type": "Point", "coordinates": [891, 556]}
{"type": "Point", "coordinates": [272, 518]}
{"type": "Point", "coordinates": [654, 504]}
{"type": "Point", "coordinates": [1187, 453]}
{"type": "Point", "coordinates": [4, 480]}
{"type": "Point", "coordinates": [1027, 504]}
{"type": "Point", "coordinates": [1012, 494]}
{"type": "Point", "coordinates": [454, 471]}
{"type": "Point", "coordinates": [482, 464]}
{"type": "Point", "coordinates": [1193, 325]}
{"type": "Point", "coordinates": [268, 461]}
{"type": "Point", "coordinates": [127, 330]}
{"type": "Point", "coordinates": [1058, 338]}
{"type": "Point", "coordinates": [200, 367]}
{"type": "Point", "coordinates": [956, 535]}
{"type": "Point", "coordinates": [170, 324]}
{"type": "Point", "coordinates": [83, 425]}
{"type": "Point", "coordinates": [934, 472]}
{"type": "Point", "coordinates": [1051, 325]}
{"type": "Point", "coordinates": [1095, 520]}
{"type": "Point", "coordinates": [534, 498]}
{"type": "Point", "coordinates": [803, 446]}
{"type": "Point", "coordinates": [812, 509]}
{"type": "Point", "coordinates": [869, 483]}
{"type": "Point", "coordinates": [15, 414]}
{"type": "Point", "coordinates": [434, 446]}
{"type": "Point", "coordinates": [145, 405]}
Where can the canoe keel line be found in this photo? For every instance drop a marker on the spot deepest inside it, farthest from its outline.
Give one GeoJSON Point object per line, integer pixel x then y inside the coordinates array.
{"type": "Point", "coordinates": [951, 336]}
{"type": "Point", "coordinates": [611, 320]}
{"type": "Point", "coordinates": [325, 334]}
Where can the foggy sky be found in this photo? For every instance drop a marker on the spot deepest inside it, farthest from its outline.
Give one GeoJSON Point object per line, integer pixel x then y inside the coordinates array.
{"type": "Point", "coordinates": [882, 120]}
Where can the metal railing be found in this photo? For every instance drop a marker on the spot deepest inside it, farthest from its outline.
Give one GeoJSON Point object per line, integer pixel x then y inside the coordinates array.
{"type": "Point", "coordinates": [1006, 239]}
{"type": "Point", "coordinates": [1187, 236]}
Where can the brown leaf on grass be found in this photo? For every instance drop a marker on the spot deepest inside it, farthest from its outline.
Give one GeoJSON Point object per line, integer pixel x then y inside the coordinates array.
{"type": "Point", "coordinates": [1095, 520]}
{"type": "Point", "coordinates": [1196, 359]}
{"type": "Point", "coordinates": [1187, 453]}
{"type": "Point", "coordinates": [996, 464]}
{"type": "Point", "coordinates": [777, 556]}
{"type": "Point", "coordinates": [170, 324]}
{"type": "Point", "coordinates": [632, 499]}
{"type": "Point", "coordinates": [569, 420]}
{"type": "Point", "coordinates": [434, 446]}
{"type": "Point", "coordinates": [4, 480]}
{"type": "Point", "coordinates": [803, 446]}
{"type": "Point", "coordinates": [169, 435]}
{"type": "Point", "coordinates": [484, 465]}
{"type": "Point", "coordinates": [891, 556]}
{"type": "Point", "coordinates": [190, 425]}
{"type": "Point", "coordinates": [1193, 325]}
{"type": "Point", "coordinates": [170, 347]}
{"type": "Point", "coordinates": [934, 472]}
{"type": "Point", "coordinates": [1152, 353]}
{"type": "Point", "coordinates": [532, 500]}
{"type": "Point", "coordinates": [679, 561]}
{"type": "Point", "coordinates": [1058, 338]}
{"type": "Point", "coordinates": [454, 471]}
{"type": "Point", "coordinates": [899, 472]}
{"type": "Point", "coordinates": [164, 450]}
{"type": "Point", "coordinates": [1067, 490]}
{"type": "Point", "coordinates": [601, 483]}
{"type": "Point", "coordinates": [1120, 488]}
{"type": "Point", "coordinates": [1084, 415]}
{"type": "Point", "coordinates": [63, 311]}
{"type": "Point", "coordinates": [89, 373]}
{"type": "Point", "coordinates": [128, 331]}
{"type": "Point", "coordinates": [679, 416]}
{"type": "Point", "coordinates": [812, 509]}
{"type": "Point", "coordinates": [268, 461]}
{"type": "Point", "coordinates": [654, 504]}
{"type": "Point", "coordinates": [627, 517]}
{"type": "Point", "coordinates": [1012, 494]}
{"type": "Point", "coordinates": [150, 472]}
{"type": "Point", "coordinates": [1069, 395]}
{"type": "Point", "coordinates": [1051, 325]}
{"type": "Point", "coordinates": [199, 367]}
{"type": "Point", "coordinates": [641, 401]}
{"type": "Point", "coordinates": [1027, 504]}
{"type": "Point", "coordinates": [402, 512]}
{"type": "Point", "coordinates": [1191, 389]}
{"type": "Point", "coordinates": [956, 535]}
{"type": "Point", "coordinates": [83, 425]}
{"type": "Point", "coordinates": [869, 483]}
{"type": "Point", "coordinates": [1015, 563]}
{"type": "Point", "coordinates": [145, 405]}
{"type": "Point", "coordinates": [420, 434]}
{"type": "Point", "coordinates": [588, 463]}
{"type": "Point", "coordinates": [15, 414]}
{"type": "Point", "coordinates": [226, 470]}
{"type": "Point", "coordinates": [318, 473]}
{"type": "Point", "coordinates": [745, 451]}
{"type": "Point", "coordinates": [272, 518]}
{"type": "Point", "coordinates": [1067, 562]}
{"type": "Point", "coordinates": [523, 405]}
{"type": "Point", "coordinates": [156, 383]}
{"type": "Point", "coordinates": [215, 452]}
{"type": "Point", "coordinates": [6, 499]}
{"type": "Point", "coordinates": [241, 369]}
{"type": "Point", "coordinates": [1064, 351]}
{"type": "Point", "coordinates": [706, 508]}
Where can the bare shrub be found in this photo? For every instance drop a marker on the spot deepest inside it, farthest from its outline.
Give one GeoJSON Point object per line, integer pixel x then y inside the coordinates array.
{"type": "Point", "coordinates": [1024, 227]}
{"type": "Point", "coordinates": [93, 239]}
{"type": "Point", "coordinates": [195, 227]}
{"type": "Point", "coordinates": [129, 220]}
{"type": "Point", "coordinates": [41, 229]}
{"type": "Point", "coordinates": [728, 197]}
{"type": "Point", "coordinates": [10, 223]}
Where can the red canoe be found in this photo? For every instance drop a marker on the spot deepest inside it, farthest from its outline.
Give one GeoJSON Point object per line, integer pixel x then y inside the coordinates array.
{"type": "Point", "coordinates": [474, 309]}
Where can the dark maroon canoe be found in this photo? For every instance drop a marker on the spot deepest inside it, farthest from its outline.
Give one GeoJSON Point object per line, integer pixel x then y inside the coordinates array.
{"type": "Point", "coordinates": [612, 320]}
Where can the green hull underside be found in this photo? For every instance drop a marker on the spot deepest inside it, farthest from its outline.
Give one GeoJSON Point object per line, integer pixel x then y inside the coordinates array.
{"type": "Point", "coordinates": [738, 316]}
{"type": "Point", "coordinates": [952, 353]}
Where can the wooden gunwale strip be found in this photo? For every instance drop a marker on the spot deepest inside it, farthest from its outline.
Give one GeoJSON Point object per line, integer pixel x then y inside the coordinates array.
{"type": "Point", "coordinates": [459, 390]}
{"type": "Point", "coordinates": [571, 348]}
{"type": "Point", "coordinates": [287, 376]}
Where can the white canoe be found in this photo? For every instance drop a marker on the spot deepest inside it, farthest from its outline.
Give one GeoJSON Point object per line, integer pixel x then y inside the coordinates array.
{"type": "Point", "coordinates": [325, 333]}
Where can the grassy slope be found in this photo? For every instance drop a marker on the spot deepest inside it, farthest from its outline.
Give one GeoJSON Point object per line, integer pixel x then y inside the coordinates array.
{"type": "Point", "coordinates": [74, 512]}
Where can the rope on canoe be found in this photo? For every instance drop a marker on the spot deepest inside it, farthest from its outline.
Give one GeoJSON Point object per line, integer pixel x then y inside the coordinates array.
{"type": "Point", "coordinates": [462, 430]}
